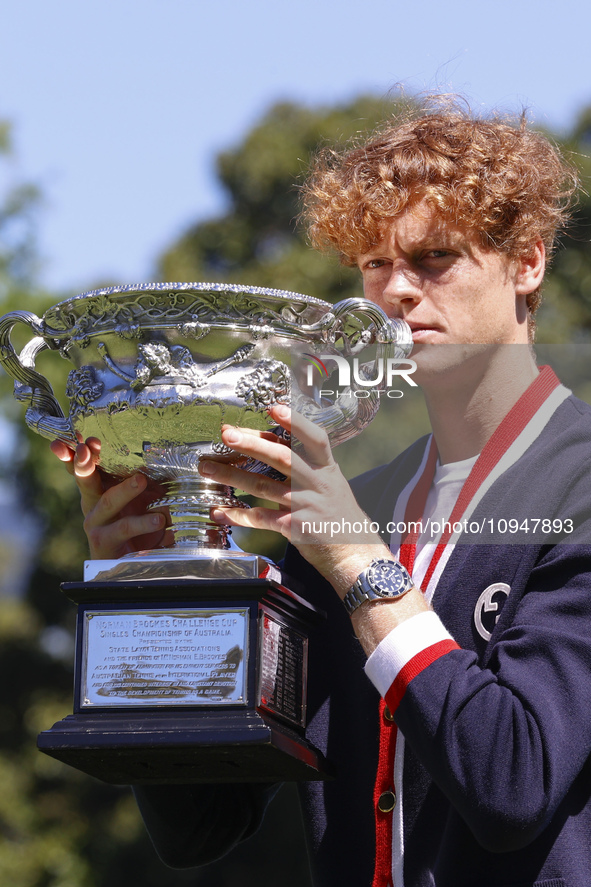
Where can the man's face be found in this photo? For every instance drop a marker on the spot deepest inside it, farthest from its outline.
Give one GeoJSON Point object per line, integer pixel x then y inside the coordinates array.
{"type": "Point", "coordinates": [438, 278]}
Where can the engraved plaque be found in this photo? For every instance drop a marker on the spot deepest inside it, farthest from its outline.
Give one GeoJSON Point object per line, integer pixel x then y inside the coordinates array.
{"type": "Point", "coordinates": [284, 659]}
{"type": "Point", "coordinates": [161, 657]}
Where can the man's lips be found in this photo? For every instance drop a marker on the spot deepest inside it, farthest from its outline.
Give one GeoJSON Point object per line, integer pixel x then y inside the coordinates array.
{"type": "Point", "coordinates": [423, 332]}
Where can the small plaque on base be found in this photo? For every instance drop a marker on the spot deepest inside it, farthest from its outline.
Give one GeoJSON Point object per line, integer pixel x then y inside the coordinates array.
{"type": "Point", "coordinates": [163, 657]}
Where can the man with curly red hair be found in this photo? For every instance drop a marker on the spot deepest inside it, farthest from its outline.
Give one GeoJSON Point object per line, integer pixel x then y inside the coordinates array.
{"type": "Point", "coordinates": [464, 760]}
{"type": "Point", "coordinates": [502, 181]}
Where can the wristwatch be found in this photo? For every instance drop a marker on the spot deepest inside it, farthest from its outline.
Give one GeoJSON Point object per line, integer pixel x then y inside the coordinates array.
{"type": "Point", "coordinates": [382, 580]}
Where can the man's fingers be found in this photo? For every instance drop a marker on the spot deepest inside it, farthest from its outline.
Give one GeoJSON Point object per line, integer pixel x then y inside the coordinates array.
{"type": "Point", "coordinates": [94, 445]}
{"type": "Point", "coordinates": [104, 540]}
{"type": "Point", "coordinates": [60, 449]}
{"type": "Point", "coordinates": [113, 500]}
{"type": "Point", "coordinates": [84, 461]}
{"type": "Point", "coordinates": [251, 482]}
{"type": "Point", "coordinates": [313, 438]}
{"type": "Point", "coordinates": [115, 519]}
{"type": "Point", "coordinates": [80, 461]}
{"type": "Point", "coordinates": [64, 453]}
{"type": "Point", "coordinates": [316, 448]}
{"type": "Point", "coordinates": [263, 435]}
{"type": "Point", "coordinates": [91, 489]}
{"type": "Point", "coordinates": [259, 518]}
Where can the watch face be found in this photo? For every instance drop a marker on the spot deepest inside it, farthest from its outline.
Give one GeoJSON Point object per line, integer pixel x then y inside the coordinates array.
{"type": "Point", "coordinates": [388, 578]}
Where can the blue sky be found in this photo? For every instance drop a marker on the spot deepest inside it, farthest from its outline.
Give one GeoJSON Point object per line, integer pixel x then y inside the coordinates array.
{"type": "Point", "coordinates": [119, 107]}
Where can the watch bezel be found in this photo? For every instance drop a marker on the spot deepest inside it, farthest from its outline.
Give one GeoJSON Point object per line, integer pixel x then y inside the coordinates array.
{"type": "Point", "coordinates": [367, 588]}
{"type": "Point", "coordinates": [373, 580]}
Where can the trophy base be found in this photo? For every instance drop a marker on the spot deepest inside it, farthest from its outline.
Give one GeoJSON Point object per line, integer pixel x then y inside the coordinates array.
{"type": "Point", "coordinates": [189, 680]}
{"type": "Point", "coordinates": [184, 748]}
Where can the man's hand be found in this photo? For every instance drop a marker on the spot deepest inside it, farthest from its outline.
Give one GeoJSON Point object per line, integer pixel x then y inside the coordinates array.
{"type": "Point", "coordinates": [314, 494]}
{"type": "Point", "coordinates": [115, 518]}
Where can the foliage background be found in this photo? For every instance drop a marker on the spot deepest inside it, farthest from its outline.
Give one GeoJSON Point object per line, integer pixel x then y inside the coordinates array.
{"type": "Point", "coordinates": [59, 828]}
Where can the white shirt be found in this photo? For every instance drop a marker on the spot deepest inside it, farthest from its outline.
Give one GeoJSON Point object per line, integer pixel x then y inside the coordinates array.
{"type": "Point", "coordinates": [441, 498]}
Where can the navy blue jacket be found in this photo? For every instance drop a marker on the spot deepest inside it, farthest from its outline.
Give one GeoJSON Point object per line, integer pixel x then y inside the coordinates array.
{"type": "Point", "coordinates": [497, 776]}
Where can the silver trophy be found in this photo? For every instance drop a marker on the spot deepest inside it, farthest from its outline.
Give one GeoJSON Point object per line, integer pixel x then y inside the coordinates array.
{"type": "Point", "coordinates": [157, 370]}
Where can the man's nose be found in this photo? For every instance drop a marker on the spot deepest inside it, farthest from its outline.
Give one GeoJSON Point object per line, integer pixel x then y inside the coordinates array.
{"type": "Point", "coordinates": [402, 290]}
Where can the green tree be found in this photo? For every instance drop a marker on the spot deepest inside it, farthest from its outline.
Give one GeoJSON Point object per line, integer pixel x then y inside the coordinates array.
{"type": "Point", "coordinates": [565, 315]}
{"type": "Point", "coordinates": [257, 241]}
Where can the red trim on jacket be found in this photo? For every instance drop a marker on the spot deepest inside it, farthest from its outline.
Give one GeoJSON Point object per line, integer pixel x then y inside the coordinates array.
{"type": "Point", "coordinates": [414, 667]}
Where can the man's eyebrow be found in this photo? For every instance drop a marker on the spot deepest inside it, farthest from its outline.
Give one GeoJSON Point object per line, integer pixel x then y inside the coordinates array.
{"type": "Point", "coordinates": [443, 239]}
{"type": "Point", "coordinates": [442, 233]}
{"type": "Point", "coordinates": [437, 236]}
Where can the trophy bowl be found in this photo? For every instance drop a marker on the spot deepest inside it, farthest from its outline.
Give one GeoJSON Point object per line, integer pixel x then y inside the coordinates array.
{"type": "Point", "coordinates": [160, 367]}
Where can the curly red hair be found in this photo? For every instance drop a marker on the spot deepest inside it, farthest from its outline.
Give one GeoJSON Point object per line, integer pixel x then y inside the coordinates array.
{"type": "Point", "coordinates": [493, 176]}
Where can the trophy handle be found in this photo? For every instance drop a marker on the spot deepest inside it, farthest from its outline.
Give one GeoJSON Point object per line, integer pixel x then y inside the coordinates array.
{"type": "Point", "coordinates": [44, 414]}
{"type": "Point", "coordinates": [348, 415]}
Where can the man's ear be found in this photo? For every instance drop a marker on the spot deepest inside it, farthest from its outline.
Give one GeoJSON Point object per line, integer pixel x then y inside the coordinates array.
{"type": "Point", "coordinates": [530, 269]}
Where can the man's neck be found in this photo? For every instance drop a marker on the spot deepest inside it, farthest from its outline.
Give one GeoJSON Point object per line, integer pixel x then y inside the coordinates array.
{"type": "Point", "coordinates": [465, 413]}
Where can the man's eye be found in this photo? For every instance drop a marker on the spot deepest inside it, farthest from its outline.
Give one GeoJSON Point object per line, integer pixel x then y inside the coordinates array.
{"type": "Point", "coordinates": [437, 254]}
{"type": "Point", "coordinates": [375, 263]}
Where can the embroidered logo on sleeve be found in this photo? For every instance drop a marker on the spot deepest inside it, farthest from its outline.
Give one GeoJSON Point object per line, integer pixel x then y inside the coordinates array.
{"type": "Point", "coordinates": [490, 601]}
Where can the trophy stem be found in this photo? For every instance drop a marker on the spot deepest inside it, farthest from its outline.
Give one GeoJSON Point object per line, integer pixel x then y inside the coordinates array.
{"type": "Point", "coordinates": [189, 499]}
